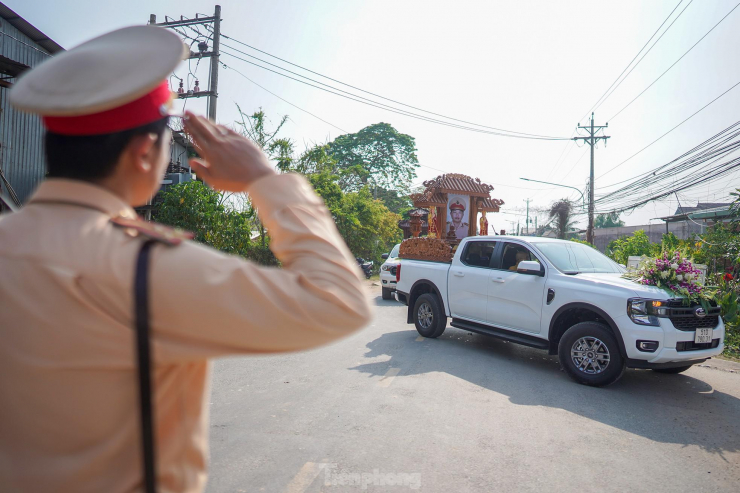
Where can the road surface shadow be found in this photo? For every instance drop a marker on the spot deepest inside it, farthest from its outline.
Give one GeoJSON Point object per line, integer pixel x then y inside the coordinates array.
{"type": "Point", "coordinates": [379, 301]}
{"type": "Point", "coordinates": [665, 408]}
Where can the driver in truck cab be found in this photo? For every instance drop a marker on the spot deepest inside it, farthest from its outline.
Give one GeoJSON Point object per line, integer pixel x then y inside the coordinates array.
{"type": "Point", "coordinates": [521, 256]}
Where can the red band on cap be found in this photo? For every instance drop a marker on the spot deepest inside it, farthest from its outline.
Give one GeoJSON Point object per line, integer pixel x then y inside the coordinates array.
{"type": "Point", "coordinates": [146, 109]}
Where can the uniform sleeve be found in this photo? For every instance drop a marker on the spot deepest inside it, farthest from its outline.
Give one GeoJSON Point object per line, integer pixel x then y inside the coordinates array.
{"type": "Point", "coordinates": [205, 303]}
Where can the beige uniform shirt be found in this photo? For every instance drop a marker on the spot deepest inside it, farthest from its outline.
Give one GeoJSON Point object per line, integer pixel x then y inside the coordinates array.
{"type": "Point", "coordinates": [69, 418]}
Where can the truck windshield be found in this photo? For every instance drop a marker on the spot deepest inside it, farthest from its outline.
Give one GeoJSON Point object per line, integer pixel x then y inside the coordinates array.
{"type": "Point", "coordinates": [574, 258]}
{"type": "Point", "coordinates": [394, 252]}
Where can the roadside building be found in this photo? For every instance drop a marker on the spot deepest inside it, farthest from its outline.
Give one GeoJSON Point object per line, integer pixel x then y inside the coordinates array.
{"type": "Point", "coordinates": [686, 222]}
{"type": "Point", "coordinates": [22, 47]}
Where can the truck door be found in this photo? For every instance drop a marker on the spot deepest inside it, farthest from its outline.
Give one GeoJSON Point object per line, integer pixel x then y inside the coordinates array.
{"type": "Point", "coordinates": [515, 300]}
{"type": "Point", "coordinates": [468, 280]}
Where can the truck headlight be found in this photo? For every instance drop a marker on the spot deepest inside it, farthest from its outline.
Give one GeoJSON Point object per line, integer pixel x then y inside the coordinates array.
{"type": "Point", "coordinates": [385, 267]}
{"type": "Point", "coordinates": [646, 312]}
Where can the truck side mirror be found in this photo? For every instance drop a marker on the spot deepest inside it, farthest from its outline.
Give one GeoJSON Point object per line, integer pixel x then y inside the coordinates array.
{"type": "Point", "coordinates": [384, 256]}
{"type": "Point", "coordinates": [531, 268]}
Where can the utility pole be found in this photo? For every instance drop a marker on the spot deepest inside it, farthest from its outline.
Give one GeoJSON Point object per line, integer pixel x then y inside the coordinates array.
{"type": "Point", "coordinates": [591, 140]}
{"type": "Point", "coordinates": [214, 65]}
{"type": "Point", "coordinates": [528, 201]}
{"type": "Point", "coordinates": [212, 92]}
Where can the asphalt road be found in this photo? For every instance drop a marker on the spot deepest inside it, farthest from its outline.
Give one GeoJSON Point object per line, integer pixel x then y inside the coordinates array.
{"type": "Point", "coordinates": [384, 410]}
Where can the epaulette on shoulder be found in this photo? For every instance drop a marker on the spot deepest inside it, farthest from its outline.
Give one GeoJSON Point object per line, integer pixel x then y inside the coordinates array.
{"type": "Point", "coordinates": [158, 232]}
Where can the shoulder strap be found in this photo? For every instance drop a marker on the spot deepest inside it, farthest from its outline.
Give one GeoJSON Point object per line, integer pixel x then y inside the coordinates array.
{"type": "Point", "coordinates": [141, 300]}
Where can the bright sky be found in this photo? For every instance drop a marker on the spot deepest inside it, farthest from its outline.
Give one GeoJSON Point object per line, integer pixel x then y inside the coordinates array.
{"type": "Point", "coordinates": [534, 67]}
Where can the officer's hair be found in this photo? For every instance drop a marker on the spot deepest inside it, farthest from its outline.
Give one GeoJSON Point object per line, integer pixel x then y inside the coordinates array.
{"type": "Point", "coordinates": [92, 157]}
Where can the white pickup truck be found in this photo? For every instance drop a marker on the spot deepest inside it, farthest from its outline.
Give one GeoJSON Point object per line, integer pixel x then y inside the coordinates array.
{"type": "Point", "coordinates": [563, 297]}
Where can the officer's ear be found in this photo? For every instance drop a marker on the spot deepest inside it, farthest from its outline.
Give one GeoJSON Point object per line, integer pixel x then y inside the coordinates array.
{"type": "Point", "coordinates": [143, 152]}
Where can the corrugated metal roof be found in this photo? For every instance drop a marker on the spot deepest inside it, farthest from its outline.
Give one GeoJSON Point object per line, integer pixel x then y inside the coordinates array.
{"type": "Point", "coordinates": [700, 206]}
{"type": "Point", "coordinates": [21, 134]}
{"type": "Point", "coordinates": [29, 30]}
{"type": "Point", "coordinates": [459, 183]}
{"type": "Point", "coordinates": [699, 213]}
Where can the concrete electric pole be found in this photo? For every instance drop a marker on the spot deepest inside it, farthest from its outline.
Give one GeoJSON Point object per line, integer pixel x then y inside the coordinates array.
{"type": "Point", "coordinates": [212, 92]}
{"type": "Point", "coordinates": [591, 139]}
{"type": "Point", "coordinates": [527, 224]}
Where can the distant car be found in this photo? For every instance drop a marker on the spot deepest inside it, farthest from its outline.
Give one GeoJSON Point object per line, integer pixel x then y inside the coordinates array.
{"type": "Point", "coordinates": [388, 272]}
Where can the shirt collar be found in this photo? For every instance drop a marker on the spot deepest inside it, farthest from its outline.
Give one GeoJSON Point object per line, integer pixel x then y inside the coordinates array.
{"type": "Point", "coordinates": [83, 194]}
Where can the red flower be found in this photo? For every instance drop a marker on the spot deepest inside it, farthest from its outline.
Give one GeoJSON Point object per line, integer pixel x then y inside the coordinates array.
{"type": "Point", "coordinates": [727, 277]}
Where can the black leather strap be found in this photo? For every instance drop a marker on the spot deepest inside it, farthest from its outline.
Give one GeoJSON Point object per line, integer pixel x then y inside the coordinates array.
{"type": "Point", "coordinates": [141, 300]}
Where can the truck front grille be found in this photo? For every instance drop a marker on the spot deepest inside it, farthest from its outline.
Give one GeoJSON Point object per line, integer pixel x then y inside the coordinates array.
{"type": "Point", "coordinates": [693, 322]}
{"type": "Point", "coordinates": [684, 317]}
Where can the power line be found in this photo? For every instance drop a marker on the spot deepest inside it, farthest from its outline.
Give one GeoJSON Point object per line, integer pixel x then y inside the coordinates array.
{"type": "Point", "coordinates": [488, 182]}
{"type": "Point", "coordinates": [575, 164]}
{"type": "Point", "coordinates": [674, 63]}
{"type": "Point", "coordinates": [671, 130]}
{"type": "Point", "coordinates": [701, 162]}
{"type": "Point", "coordinates": [386, 108]}
{"type": "Point", "coordinates": [285, 100]}
{"type": "Point", "coordinates": [717, 146]}
{"type": "Point", "coordinates": [646, 53]}
{"type": "Point", "coordinates": [687, 153]}
{"type": "Point", "coordinates": [339, 128]}
{"type": "Point", "coordinates": [599, 101]}
{"type": "Point", "coordinates": [727, 167]}
{"type": "Point", "coordinates": [374, 94]}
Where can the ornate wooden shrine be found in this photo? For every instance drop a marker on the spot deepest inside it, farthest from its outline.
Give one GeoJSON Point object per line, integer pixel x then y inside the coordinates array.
{"type": "Point", "coordinates": [453, 201]}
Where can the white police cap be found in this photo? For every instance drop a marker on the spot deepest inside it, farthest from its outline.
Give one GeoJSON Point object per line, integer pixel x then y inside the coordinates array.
{"type": "Point", "coordinates": [102, 74]}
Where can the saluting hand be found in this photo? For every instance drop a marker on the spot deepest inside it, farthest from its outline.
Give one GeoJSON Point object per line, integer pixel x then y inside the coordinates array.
{"type": "Point", "coordinates": [230, 161]}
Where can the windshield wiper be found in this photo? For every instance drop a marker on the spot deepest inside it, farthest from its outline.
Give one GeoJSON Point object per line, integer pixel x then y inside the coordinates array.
{"type": "Point", "coordinates": [571, 272]}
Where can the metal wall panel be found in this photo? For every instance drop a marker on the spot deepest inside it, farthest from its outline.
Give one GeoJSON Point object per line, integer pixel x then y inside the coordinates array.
{"type": "Point", "coordinates": [21, 134]}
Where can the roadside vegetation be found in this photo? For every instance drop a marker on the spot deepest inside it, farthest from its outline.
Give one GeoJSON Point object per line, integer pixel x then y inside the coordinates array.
{"type": "Point", "coordinates": [364, 178]}
{"type": "Point", "coordinates": [718, 248]}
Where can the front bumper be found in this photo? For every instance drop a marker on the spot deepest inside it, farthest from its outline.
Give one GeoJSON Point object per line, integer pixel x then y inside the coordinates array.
{"type": "Point", "coordinates": [387, 281]}
{"type": "Point", "coordinates": [670, 340]}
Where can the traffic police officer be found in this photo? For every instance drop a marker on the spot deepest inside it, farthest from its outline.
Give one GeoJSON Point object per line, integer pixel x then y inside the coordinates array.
{"type": "Point", "coordinates": [69, 417]}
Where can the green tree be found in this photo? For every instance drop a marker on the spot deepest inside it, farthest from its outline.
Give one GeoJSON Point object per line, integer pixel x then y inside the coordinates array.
{"type": "Point", "coordinates": [718, 247]}
{"type": "Point", "coordinates": [195, 207]}
{"type": "Point", "coordinates": [735, 206]}
{"type": "Point", "coordinates": [562, 213]}
{"type": "Point", "coordinates": [610, 220]}
{"type": "Point", "coordinates": [254, 127]}
{"type": "Point", "coordinates": [636, 245]}
{"type": "Point", "coordinates": [365, 224]}
{"type": "Point", "coordinates": [376, 156]}
{"type": "Point", "coordinates": [314, 160]}
{"type": "Point", "coordinates": [279, 150]}
{"type": "Point", "coordinates": [394, 201]}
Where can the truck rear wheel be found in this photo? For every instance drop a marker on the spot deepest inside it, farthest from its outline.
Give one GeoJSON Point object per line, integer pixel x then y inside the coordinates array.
{"type": "Point", "coordinates": [429, 319]}
{"type": "Point", "coordinates": [589, 354]}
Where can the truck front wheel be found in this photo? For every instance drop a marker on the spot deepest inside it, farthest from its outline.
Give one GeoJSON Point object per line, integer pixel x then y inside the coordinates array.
{"type": "Point", "coordinates": [429, 319]}
{"type": "Point", "coordinates": [589, 354]}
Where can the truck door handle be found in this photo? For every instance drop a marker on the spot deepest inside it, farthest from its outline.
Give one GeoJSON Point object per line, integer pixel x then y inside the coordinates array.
{"type": "Point", "coordinates": [458, 273]}
{"type": "Point", "coordinates": [498, 279]}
